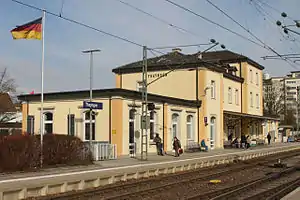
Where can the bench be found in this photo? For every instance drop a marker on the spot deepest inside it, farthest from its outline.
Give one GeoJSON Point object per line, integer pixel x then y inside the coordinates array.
{"type": "Point", "coordinates": [260, 142]}
{"type": "Point", "coordinates": [227, 145]}
{"type": "Point", "coordinates": [194, 147]}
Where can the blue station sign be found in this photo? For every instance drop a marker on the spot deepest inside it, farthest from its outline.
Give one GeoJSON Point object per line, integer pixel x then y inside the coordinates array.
{"type": "Point", "coordinates": [93, 105]}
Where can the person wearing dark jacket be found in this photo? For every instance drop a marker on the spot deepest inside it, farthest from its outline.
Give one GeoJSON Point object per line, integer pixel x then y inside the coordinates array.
{"type": "Point", "coordinates": [269, 138]}
{"type": "Point", "coordinates": [243, 140]}
{"type": "Point", "coordinates": [158, 143]}
{"type": "Point", "coordinates": [176, 146]}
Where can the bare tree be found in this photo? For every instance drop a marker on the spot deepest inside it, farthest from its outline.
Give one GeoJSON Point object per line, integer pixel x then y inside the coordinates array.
{"type": "Point", "coordinates": [290, 118]}
{"type": "Point", "coordinates": [7, 85]}
{"type": "Point", "coordinates": [274, 103]}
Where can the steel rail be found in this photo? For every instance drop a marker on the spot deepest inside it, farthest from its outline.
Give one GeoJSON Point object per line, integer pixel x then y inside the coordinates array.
{"type": "Point", "coordinates": [126, 186]}
{"type": "Point", "coordinates": [234, 191]}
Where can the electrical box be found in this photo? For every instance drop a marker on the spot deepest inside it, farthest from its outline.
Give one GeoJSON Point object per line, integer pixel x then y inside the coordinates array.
{"type": "Point", "coordinates": [145, 122]}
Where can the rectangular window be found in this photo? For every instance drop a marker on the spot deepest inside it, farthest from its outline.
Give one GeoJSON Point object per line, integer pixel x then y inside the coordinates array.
{"type": "Point", "coordinates": [257, 79]}
{"type": "Point", "coordinates": [189, 127]}
{"type": "Point", "coordinates": [229, 95]}
{"type": "Point", "coordinates": [87, 131]}
{"type": "Point", "coordinates": [257, 101]}
{"type": "Point", "coordinates": [71, 124]}
{"type": "Point", "coordinates": [152, 125]}
{"type": "Point", "coordinates": [237, 97]}
{"type": "Point", "coordinates": [251, 99]}
{"type": "Point", "coordinates": [250, 76]}
{"type": "Point", "coordinates": [30, 125]}
{"type": "Point", "coordinates": [213, 89]}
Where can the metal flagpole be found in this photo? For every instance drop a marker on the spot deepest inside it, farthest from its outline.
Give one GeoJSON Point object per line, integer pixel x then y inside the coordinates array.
{"type": "Point", "coordinates": [42, 87]}
{"type": "Point", "coordinates": [91, 99]}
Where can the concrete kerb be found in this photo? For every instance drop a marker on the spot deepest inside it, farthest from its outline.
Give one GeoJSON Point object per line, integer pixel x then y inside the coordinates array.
{"type": "Point", "coordinates": [21, 188]}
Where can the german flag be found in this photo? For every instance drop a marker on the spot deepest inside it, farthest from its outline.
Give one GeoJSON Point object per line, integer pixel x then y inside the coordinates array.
{"type": "Point", "coordinates": [31, 30]}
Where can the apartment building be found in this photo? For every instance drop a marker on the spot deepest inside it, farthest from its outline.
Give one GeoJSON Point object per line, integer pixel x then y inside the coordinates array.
{"type": "Point", "coordinates": [283, 91]}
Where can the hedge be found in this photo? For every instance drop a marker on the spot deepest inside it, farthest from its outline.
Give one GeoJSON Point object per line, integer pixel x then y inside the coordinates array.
{"type": "Point", "coordinates": [22, 152]}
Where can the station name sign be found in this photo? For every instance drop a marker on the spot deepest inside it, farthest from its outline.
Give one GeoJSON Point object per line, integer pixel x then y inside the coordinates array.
{"type": "Point", "coordinates": [157, 75]}
{"type": "Point", "coordinates": [93, 105]}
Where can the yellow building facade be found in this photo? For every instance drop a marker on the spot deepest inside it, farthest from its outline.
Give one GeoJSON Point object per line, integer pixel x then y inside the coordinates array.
{"type": "Point", "coordinates": [198, 99]}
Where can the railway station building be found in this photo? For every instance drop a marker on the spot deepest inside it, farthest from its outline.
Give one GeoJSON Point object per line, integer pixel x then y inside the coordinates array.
{"type": "Point", "coordinates": [196, 96]}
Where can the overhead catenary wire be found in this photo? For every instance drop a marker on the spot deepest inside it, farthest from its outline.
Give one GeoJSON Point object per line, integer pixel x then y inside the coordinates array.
{"type": "Point", "coordinates": [265, 14]}
{"type": "Point", "coordinates": [93, 28]}
{"type": "Point", "coordinates": [263, 45]}
{"type": "Point", "coordinates": [80, 23]}
{"type": "Point", "coordinates": [252, 34]}
{"type": "Point", "coordinates": [96, 29]}
{"type": "Point", "coordinates": [215, 23]}
{"type": "Point", "coordinates": [273, 8]}
{"type": "Point", "coordinates": [176, 27]}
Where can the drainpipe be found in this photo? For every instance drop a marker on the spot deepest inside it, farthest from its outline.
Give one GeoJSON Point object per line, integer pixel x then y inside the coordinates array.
{"type": "Point", "coordinates": [110, 131]}
{"type": "Point", "coordinates": [163, 133]}
{"type": "Point", "coordinates": [197, 99]}
{"type": "Point", "coordinates": [240, 63]}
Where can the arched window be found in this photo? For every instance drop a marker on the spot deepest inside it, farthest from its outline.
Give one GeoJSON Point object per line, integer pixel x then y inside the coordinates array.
{"type": "Point", "coordinates": [48, 122]}
{"type": "Point", "coordinates": [87, 125]}
{"type": "Point", "coordinates": [175, 125]}
{"type": "Point", "coordinates": [189, 127]}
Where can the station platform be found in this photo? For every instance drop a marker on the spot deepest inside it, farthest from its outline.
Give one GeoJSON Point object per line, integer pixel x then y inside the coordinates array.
{"type": "Point", "coordinates": [152, 160]}
{"type": "Point", "coordinates": [64, 179]}
{"type": "Point", "coordinates": [295, 195]}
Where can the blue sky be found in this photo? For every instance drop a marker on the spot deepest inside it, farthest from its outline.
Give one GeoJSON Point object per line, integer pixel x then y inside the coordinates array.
{"type": "Point", "coordinates": [66, 68]}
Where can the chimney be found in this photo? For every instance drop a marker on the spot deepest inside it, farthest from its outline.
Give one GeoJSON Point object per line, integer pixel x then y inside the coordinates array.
{"type": "Point", "coordinates": [176, 50]}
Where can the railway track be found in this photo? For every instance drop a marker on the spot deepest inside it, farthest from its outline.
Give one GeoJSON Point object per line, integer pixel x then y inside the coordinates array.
{"type": "Point", "coordinates": [271, 187]}
{"type": "Point", "coordinates": [150, 186]}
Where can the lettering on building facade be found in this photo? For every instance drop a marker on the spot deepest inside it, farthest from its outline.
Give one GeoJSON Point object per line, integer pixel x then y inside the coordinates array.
{"type": "Point", "coordinates": [157, 75]}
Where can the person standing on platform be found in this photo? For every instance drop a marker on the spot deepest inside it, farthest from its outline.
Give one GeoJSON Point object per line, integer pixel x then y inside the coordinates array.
{"type": "Point", "coordinates": [158, 143]}
{"type": "Point", "coordinates": [269, 138]}
{"type": "Point", "coordinates": [176, 146]}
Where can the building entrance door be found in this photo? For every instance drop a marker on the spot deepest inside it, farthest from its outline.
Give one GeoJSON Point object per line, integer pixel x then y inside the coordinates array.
{"type": "Point", "coordinates": [212, 132]}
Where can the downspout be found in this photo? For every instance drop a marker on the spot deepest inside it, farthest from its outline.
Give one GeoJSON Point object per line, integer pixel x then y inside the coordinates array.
{"type": "Point", "coordinates": [241, 88]}
{"type": "Point", "coordinates": [198, 108]}
{"type": "Point", "coordinates": [163, 133]}
{"type": "Point", "coordinates": [241, 96]}
{"type": "Point", "coordinates": [109, 117]}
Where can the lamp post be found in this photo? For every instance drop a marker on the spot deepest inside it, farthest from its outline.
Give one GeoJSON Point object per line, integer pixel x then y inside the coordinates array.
{"type": "Point", "coordinates": [91, 51]}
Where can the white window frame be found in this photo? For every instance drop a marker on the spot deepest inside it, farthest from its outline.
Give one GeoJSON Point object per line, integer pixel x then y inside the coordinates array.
{"type": "Point", "coordinates": [237, 98]}
{"type": "Point", "coordinates": [177, 123]}
{"type": "Point", "coordinates": [251, 99]}
{"type": "Point", "coordinates": [213, 89]}
{"type": "Point", "coordinates": [190, 136]}
{"type": "Point", "coordinates": [155, 124]}
{"type": "Point", "coordinates": [229, 95]}
{"type": "Point", "coordinates": [251, 76]}
{"type": "Point", "coordinates": [257, 101]}
{"type": "Point", "coordinates": [48, 121]}
{"type": "Point", "coordinates": [85, 121]}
